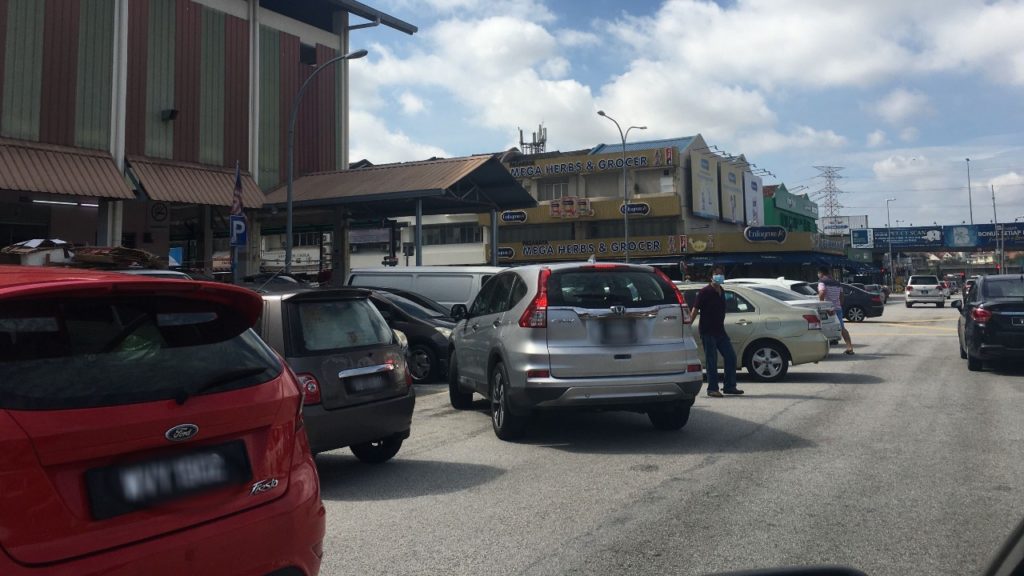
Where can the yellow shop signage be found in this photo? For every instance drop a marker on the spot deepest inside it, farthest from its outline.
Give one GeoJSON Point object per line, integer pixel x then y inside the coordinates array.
{"type": "Point", "coordinates": [587, 164]}
{"type": "Point", "coordinates": [603, 248]}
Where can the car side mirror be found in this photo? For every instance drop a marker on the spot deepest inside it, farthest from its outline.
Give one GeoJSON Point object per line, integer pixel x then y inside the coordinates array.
{"type": "Point", "coordinates": [459, 312]}
{"type": "Point", "coordinates": [402, 340]}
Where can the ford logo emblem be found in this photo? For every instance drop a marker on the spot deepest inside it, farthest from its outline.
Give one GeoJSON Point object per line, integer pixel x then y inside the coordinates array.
{"type": "Point", "coordinates": [182, 432]}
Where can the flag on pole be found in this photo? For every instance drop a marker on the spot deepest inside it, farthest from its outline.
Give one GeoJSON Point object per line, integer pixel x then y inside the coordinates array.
{"type": "Point", "coordinates": [236, 201]}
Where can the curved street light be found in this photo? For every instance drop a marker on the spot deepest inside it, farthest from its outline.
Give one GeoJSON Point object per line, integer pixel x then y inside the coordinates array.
{"type": "Point", "coordinates": [291, 148]}
{"type": "Point", "coordinates": [892, 270]}
{"type": "Point", "coordinates": [625, 186]}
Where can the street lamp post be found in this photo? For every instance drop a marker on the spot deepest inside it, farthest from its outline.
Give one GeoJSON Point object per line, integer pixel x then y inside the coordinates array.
{"type": "Point", "coordinates": [970, 199]}
{"type": "Point", "coordinates": [625, 187]}
{"type": "Point", "coordinates": [892, 268]}
{"type": "Point", "coordinates": [291, 149]}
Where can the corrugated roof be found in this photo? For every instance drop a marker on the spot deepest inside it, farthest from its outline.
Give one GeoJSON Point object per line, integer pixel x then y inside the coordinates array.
{"type": "Point", "coordinates": [680, 143]}
{"type": "Point", "coordinates": [391, 188]}
{"type": "Point", "coordinates": [185, 183]}
{"type": "Point", "coordinates": [34, 167]}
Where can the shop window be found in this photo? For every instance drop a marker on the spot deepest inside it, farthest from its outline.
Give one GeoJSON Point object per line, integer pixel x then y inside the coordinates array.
{"type": "Point", "coordinates": [535, 233]}
{"type": "Point", "coordinates": [552, 189]}
{"type": "Point", "coordinates": [440, 234]}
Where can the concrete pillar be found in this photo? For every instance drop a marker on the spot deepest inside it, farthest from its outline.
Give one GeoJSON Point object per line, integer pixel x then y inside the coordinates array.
{"type": "Point", "coordinates": [109, 222]}
{"type": "Point", "coordinates": [494, 237]}
{"type": "Point", "coordinates": [419, 232]}
{"type": "Point", "coordinates": [206, 221]}
{"type": "Point", "coordinates": [340, 258]}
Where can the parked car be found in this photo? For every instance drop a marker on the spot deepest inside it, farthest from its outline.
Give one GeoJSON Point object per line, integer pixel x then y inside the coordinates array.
{"type": "Point", "coordinates": [147, 429]}
{"type": "Point", "coordinates": [351, 365]}
{"type": "Point", "coordinates": [830, 326]}
{"type": "Point", "coordinates": [427, 332]}
{"type": "Point", "coordinates": [768, 335]}
{"type": "Point", "coordinates": [925, 289]}
{"type": "Point", "coordinates": [991, 322]}
{"type": "Point", "coordinates": [446, 284]}
{"type": "Point", "coordinates": [859, 305]}
{"type": "Point", "coordinates": [163, 274]}
{"type": "Point", "coordinates": [418, 298]}
{"type": "Point", "coordinates": [575, 335]}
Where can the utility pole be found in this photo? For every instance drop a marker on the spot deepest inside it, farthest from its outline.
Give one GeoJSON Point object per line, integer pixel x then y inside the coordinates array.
{"type": "Point", "coordinates": [830, 192]}
{"type": "Point", "coordinates": [970, 200]}
{"type": "Point", "coordinates": [999, 229]}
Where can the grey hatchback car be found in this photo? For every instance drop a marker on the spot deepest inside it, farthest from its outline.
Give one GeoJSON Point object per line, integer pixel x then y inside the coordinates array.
{"type": "Point", "coordinates": [580, 335]}
{"type": "Point", "coordinates": [358, 389]}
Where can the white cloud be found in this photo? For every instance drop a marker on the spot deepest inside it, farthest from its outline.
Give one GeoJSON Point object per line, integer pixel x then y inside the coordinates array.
{"type": "Point", "coordinates": [1006, 180]}
{"type": "Point", "coordinates": [899, 167]}
{"type": "Point", "coordinates": [901, 105]}
{"type": "Point", "coordinates": [876, 139]}
{"type": "Point", "coordinates": [411, 103]}
{"type": "Point", "coordinates": [379, 144]}
{"type": "Point", "coordinates": [576, 38]}
{"type": "Point", "coordinates": [802, 137]}
{"type": "Point", "coordinates": [908, 134]}
{"type": "Point", "coordinates": [554, 68]}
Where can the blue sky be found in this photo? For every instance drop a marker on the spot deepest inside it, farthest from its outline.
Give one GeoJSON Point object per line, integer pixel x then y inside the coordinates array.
{"type": "Point", "coordinates": [898, 93]}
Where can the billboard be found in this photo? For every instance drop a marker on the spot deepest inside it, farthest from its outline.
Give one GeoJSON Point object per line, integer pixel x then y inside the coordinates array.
{"type": "Point", "coordinates": [704, 192]}
{"type": "Point", "coordinates": [841, 225]}
{"type": "Point", "coordinates": [730, 179]}
{"type": "Point", "coordinates": [753, 199]}
{"type": "Point", "coordinates": [862, 238]}
{"type": "Point", "coordinates": [985, 236]}
{"type": "Point", "coordinates": [919, 237]}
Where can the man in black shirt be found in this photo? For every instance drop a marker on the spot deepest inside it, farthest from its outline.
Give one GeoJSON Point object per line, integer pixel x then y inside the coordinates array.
{"type": "Point", "coordinates": [710, 306]}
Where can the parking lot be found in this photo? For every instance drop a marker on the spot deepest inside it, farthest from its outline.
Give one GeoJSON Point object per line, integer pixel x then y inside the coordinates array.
{"type": "Point", "coordinates": [895, 460]}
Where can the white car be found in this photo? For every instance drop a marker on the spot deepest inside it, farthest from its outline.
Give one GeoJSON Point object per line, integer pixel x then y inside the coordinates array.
{"type": "Point", "coordinates": [925, 289]}
{"type": "Point", "coordinates": [809, 289]}
{"type": "Point", "coordinates": [830, 325]}
{"type": "Point", "coordinates": [768, 335]}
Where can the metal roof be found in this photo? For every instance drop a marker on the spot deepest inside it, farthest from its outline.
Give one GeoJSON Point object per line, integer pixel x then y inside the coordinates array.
{"type": "Point", "coordinates": [33, 167]}
{"type": "Point", "coordinates": [374, 15]}
{"type": "Point", "coordinates": [447, 186]}
{"type": "Point", "coordinates": [680, 143]}
{"type": "Point", "coordinates": [184, 183]}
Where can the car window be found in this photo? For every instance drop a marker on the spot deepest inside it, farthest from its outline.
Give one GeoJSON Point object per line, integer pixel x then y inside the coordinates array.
{"type": "Point", "coordinates": [604, 287]}
{"type": "Point", "coordinates": [518, 292]}
{"type": "Point", "coordinates": [805, 288]}
{"type": "Point", "coordinates": [499, 302]}
{"type": "Point", "coordinates": [734, 303]}
{"type": "Point", "coordinates": [85, 353]}
{"type": "Point", "coordinates": [482, 303]}
{"type": "Point", "coordinates": [926, 280]}
{"type": "Point", "coordinates": [1003, 288]}
{"type": "Point", "coordinates": [409, 307]}
{"type": "Point", "coordinates": [447, 287]}
{"type": "Point", "coordinates": [784, 295]}
{"type": "Point", "coordinates": [972, 296]}
{"type": "Point", "coordinates": [323, 325]}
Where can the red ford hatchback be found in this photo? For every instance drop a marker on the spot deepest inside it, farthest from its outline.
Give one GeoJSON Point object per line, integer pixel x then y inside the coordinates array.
{"type": "Point", "coordinates": [145, 429]}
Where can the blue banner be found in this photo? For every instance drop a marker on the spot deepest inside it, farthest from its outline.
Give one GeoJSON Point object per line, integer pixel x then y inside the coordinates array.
{"type": "Point", "coordinates": [906, 238]}
{"type": "Point", "coordinates": [984, 236]}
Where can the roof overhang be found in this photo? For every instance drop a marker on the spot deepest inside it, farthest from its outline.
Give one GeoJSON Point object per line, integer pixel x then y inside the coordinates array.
{"type": "Point", "coordinates": [374, 15]}
{"type": "Point", "coordinates": [44, 168]}
{"type": "Point", "coordinates": [186, 183]}
{"type": "Point", "coordinates": [459, 185]}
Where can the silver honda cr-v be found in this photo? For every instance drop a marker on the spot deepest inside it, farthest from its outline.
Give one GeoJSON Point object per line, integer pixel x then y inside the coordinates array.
{"type": "Point", "coordinates": [579, 335]}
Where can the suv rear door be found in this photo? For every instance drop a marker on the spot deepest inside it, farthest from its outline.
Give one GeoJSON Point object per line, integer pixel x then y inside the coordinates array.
{"type": "Point", "coordinates": [132, 408]}
{"type": "Point", "coordinates": [607, 320]}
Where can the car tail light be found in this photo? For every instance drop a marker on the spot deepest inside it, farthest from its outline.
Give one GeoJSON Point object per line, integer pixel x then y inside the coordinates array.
{"type": "Point", "coordinates": [538, 373]}
{"type": "Point", "coordinates": [679, 296]}
{"type": "Point", "coordinates": [980, 315]}
{"type": "Point", "coordinates": [603, 266]}
{"type": "Point", "coordinates": [310, 388]}
{"type": "Point", "coordinates": [813, 322]}
{"type": "Point", "coordinates": [909, 288]}
{"type": "Point", "coordinates": [876, 299]}
{"type": "Point", "coordinates": [536, 314]}
{"type": "Point", "coordinates": [693, 368]}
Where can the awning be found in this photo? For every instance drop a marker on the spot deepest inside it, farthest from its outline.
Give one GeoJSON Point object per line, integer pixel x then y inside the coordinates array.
{"type": "Point", "coordinates": [186, 183]}
{"type": "Point", "coordinates": [33, 167]}
{"type": "Point", "coordinates": [449, 186]}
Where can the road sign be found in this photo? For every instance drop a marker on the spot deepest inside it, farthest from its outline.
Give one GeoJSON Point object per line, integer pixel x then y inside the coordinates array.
{"type": "Point", "coordinates": [239, 231]}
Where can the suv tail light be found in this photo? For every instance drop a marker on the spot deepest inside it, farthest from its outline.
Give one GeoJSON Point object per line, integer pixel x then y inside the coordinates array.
{"type": "Point", "coordinates": [909, 288]}
{"type": "Point", "coordinates": [310, 388]}
{"type": "Point", "coordinates": [813, 322]}
{"type": "Point", "coordinates": [536, 314]}
{"type": "Point", "coordinates": [679, 295]}
{"type": "Point", "coordinates": [980, 315]}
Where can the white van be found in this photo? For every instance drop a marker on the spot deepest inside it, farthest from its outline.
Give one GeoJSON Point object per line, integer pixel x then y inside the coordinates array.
{"type": "Point", "coordinates": [446, 284]}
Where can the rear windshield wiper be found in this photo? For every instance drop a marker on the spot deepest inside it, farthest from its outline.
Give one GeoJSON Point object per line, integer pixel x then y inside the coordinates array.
{"type": "Point", "coordinates": [223, 378]}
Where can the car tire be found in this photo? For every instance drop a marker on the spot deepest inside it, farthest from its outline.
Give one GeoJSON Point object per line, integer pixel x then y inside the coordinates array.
{"type": "Point", "coordinates": [855, 314]}
{"type": "Point", "coordinates": [974, 364]}
{"type": "Point", "coordinates": [460, 400]}
{"type": "Point", "coordinates": [766, 361]}
{"type": "Point", "coordinates": [422, 363]}
{"type": "Point", "coordinates": [507, 425]}
{"type": "Point", "coordinates": [940, 305]}
{"type": "Point", "coordinates": [910, 304]}
{"type": "Point", "coordinates": [670, 418]}
{"type": "Point", "coordinates": [377, 452]}
{"type": "Point", "coordinates": [963, 353]}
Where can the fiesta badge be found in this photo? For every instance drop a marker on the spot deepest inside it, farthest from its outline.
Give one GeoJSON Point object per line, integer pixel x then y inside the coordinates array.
{"type": "Point", "coordinates": [765, 234]}
{"type": "Point", "coordinates": [182, 432]}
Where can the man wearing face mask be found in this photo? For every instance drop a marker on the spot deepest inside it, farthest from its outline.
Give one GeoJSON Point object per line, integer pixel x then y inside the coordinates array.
{"type": "Point", "coordinates": [710, 307]}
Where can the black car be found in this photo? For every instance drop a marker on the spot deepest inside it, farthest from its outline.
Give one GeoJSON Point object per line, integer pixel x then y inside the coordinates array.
{"type": "Point", "coordinates": [426, 329]}
{"type": "Point", "coordinates": [419, 299]}
{"type": "Point", "coordinates": [991, 323]}
{"type": "Point", "coordinates": [860, 304]}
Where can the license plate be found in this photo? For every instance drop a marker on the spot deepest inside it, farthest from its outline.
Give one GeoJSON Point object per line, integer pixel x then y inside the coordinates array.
{"type": "Point", "coordinates": [120, 489]}
{"type": "Point", "coordinates": [364, 384]}
{"type": "Point", "coordinates": [1017, 321]}
{"type": "Point", "coordinates": [925, 292]}
{"type": "Point", "coordinates": [618, 332]}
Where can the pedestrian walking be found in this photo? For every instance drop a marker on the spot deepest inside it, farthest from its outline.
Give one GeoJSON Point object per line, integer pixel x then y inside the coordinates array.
{"type": "Point", "coordinates": [831, 291]}
{"type": "Point", "coordinates": [710, 307]}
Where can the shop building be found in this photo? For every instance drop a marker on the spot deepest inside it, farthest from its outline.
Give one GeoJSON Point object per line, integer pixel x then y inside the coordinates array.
{"type": "Point", "coordinates": [794, 212]}
{"type": "Point", "coordinates": [123, 121]}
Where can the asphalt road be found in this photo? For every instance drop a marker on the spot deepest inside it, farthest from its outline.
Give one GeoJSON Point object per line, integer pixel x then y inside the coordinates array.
{"type": "Point", "coordinates": [896, 460]}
